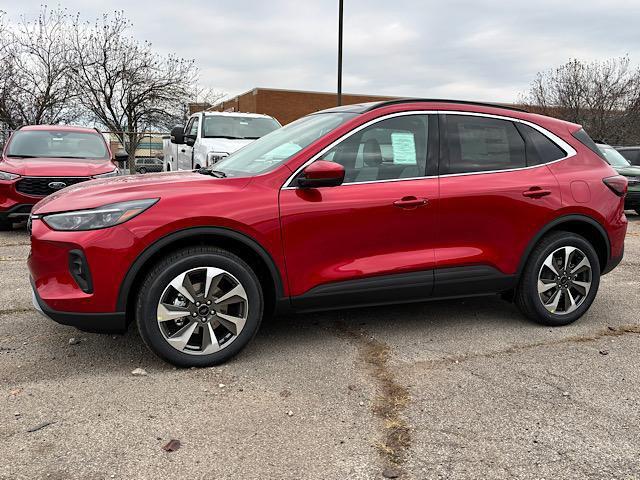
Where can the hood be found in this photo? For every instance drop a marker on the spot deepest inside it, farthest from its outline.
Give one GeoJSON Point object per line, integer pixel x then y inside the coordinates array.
{"type": "Point", "coordinates": [228, 145]}
{"type": "Point", "coordinates": [96, 193]}
{"type": "Point", "coordinates": [55, 167]}
{"type": "Point", "coordinates": [630, 171]}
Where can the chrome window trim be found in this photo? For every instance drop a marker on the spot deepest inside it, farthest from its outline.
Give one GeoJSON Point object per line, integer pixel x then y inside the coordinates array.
{"type": "Point", "coordinates": [568, 149]}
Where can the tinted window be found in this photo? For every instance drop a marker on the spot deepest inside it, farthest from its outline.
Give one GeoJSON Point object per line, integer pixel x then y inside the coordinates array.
{"type": "Point", "coordinates": [479, 144]}
{"type": "Point", "coordinates": [540, 149]}
{"type": "Point", "coordinates": [390, 149]}
{"type": "Point", "coordinates": [56, 143]}
{"type": "Point", "coordinates": [584, 138]}
{"type": "Point", "coordinates": [633, 155]}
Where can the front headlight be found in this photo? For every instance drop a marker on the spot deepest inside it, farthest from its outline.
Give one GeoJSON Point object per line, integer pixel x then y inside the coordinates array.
{"type": "Point", "coordinates": [215, 157]}
{"type": "Point", "coordinates": [115, 173]}
{"type": "Point", "coordinates": [8, 176]}
{"type": "Point", "coordinates": [96, 218]}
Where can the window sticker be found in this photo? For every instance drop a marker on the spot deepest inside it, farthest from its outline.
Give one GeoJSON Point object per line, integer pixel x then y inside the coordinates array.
{"type": "Point", "coordinates": [404, 148]}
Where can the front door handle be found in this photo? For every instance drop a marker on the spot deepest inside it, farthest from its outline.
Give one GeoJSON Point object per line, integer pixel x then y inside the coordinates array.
{"type": "Point", "coordinates": [410, 202]}
{"type": "Point", "coordinates": [536, 192]}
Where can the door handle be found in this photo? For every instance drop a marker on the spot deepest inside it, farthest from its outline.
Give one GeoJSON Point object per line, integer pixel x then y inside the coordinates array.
{"type": "Point", "coordinates": [536, 192]}
{"type": "Point", "coordinates": [183, 150]}
{"type": "Point", "coordinates": [410, 202]}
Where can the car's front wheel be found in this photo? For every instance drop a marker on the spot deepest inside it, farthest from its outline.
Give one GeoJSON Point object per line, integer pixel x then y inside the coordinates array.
{"type": "Point", "coordinates": [560, 280]}
{"type": "Point", "coordinates": [199, 307]}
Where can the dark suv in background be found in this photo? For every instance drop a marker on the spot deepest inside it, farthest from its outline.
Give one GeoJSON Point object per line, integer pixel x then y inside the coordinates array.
{"type": "Point", "coordinates": [631, 153]}
{"type": "Point", "coordinates": [625, 168]}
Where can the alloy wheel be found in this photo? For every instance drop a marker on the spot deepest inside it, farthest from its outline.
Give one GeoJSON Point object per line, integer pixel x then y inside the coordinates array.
{"type": "Point", "coordinates": [564, 280]}
{"type": "Point", "coordinates": [202, 310]}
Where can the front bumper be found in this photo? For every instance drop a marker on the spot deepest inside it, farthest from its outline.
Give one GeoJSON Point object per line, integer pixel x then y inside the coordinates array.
{"type": "Point", "coordinates": [13, 202]}
{"type": "Point", "coordinates": [87, 322]}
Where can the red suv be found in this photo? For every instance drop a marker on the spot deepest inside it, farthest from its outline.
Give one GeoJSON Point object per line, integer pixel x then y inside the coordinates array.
{"type": "Point", "coordinates": [41, 159]}
{"type": "Point", "coordinates": [367, 204]}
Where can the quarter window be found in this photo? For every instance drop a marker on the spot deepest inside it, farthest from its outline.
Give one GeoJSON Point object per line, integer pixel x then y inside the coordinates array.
{"type": "Point", "coordinates": [391, 149]}
{"type": "Point", "coordinates": [480, 144]}
{"type": "Point", "coordinates": [540, 149]}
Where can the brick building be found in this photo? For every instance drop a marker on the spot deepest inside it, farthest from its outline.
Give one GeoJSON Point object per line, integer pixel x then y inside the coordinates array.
{"type": "Point", "coordinates": [288, 105]}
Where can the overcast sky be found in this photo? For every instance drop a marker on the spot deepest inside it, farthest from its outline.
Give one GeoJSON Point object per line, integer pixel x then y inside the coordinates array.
{"type": "Point", "coordinates": [485, 49]}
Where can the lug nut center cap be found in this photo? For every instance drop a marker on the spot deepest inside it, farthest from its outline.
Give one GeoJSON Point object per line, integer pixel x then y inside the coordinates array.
{"type": "Point", "coordinates": [203, 310]}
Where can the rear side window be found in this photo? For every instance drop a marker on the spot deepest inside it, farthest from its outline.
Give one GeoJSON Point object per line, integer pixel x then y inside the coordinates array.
{"type": "Point", "coordinates": [480, 144]}
{"type": "Point", "coordinates": [633, 155]}
{"type": "Point", "coordinates": [540, 149]}
{"type": "Point", "coordinates": [584, 138]}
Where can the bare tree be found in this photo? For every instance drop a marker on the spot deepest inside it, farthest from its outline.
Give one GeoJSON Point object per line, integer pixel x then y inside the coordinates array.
{"type": "Point", "coordinates": [603, 96]}
{"type": "Point", "coordinates": [124, 85]}
{"type": "Point", "coordinates": [35, 60]}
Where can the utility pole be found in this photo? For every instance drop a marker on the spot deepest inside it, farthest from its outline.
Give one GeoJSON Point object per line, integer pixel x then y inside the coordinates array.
{"type": "Point", "coordinates": [340, 25]}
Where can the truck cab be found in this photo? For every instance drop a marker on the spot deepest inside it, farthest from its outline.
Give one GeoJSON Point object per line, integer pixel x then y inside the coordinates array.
{"type": "Point", "coordinates": [208, 137]}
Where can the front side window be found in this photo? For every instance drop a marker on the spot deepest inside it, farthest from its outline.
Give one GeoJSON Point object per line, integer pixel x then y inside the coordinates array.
{"type": "Point", "coordinates": [58, 144]}
{"type": "Point", "coordinates": [391, 149]}
{"type": "Point", "coordinates": [193, 129]}
{"type": "Point", "coordinates": [277, 147]}
{"type": "Point", "coordinates": [227, 126]}
{"type": "Point", "coordinates": [481, 144]}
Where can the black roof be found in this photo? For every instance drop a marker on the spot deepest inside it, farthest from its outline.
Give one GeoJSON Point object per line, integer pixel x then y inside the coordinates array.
{"type": "Point", "coordinates": [367, 107]}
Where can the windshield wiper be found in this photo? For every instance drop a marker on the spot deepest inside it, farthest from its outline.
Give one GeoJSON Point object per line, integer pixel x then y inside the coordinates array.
{"type": "Point", "coordinates": [213, 173]}
{"type": "Point", "coordinates": [16, 155]}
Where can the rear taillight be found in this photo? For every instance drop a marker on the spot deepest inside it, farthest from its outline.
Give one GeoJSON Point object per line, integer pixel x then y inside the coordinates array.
{"type": "Point", "coordinates": [618, 184]}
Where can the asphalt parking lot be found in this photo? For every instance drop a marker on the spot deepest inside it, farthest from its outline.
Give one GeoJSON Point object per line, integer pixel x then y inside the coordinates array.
{"type": "Point", "coordinates": [458, 389]}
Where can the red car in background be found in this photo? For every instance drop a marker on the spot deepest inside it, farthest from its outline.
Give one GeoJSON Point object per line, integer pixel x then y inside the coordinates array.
{"type": "Point", "coordinates": [41, 159]}
{"type": "Point", "coordinates": [366, 204]}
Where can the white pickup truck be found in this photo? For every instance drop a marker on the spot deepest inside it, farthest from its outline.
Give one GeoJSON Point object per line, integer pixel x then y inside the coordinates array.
{"type": "Point", "coordinates": [208, 137]}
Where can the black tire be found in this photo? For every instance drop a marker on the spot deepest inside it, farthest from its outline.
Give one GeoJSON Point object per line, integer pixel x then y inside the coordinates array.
{"type": "Point", "coordinates": [142, 170]}
{"type": "Point", "coordinates": [527, 298]}
{"type": "Point", "coordinates": [164, 272]}
{"type": "Point", "coordinates": [638, 211]}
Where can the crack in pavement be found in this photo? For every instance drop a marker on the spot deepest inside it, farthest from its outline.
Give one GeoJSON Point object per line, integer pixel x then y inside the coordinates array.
{"type": "Point", "coordinates": [15, 245]}
{"type": "Point", "coordinates": [9, 311]}
{"type": "Point", "coordinates": [611, 331]}
{"type": "Point", "coordinates": [391, 401]}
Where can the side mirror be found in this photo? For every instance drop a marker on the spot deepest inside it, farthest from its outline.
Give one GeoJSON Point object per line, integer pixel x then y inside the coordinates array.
{"type": "Point", "coordinates": [177, 135]}
{"type": "Point", "coordinates": [190, 140]}
{"type": "Point", "coordinates": [121, 157]}
{"type": "Point", "coordinates": [322, 174]}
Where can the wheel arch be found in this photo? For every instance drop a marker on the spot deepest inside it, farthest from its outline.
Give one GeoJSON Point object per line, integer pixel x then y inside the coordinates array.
{"type": "Point", "coordinates": [582, 225]}
{"type": "Point", "coordinates": [240, 244]}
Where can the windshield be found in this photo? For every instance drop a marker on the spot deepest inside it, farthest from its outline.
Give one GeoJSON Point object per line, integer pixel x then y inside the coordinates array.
{"type": "Point", "coordinates": [237, 127]}
{"type": "Point", "coordinates": [58, 144]}
{"type": "Point", "coordinates": [277, 147]}
{"type": "Point", "coordinates": [614, 157]}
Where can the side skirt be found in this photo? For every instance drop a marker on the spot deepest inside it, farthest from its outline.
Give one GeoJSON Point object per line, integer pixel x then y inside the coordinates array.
{"type": "Point", "coordinates": [405, 288]}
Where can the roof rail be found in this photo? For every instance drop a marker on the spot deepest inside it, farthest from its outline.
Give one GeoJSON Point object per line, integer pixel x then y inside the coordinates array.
{"type": "Point", "coordinates": [442, 100]}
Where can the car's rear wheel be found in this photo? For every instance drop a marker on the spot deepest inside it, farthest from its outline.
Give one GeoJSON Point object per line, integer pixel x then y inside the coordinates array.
{"type": "Point", "coordinates": [560, 280]}
{"type": "Point", "coordinates": [199, 307]}
{"type": "Point", "coordinates": [142, 170]}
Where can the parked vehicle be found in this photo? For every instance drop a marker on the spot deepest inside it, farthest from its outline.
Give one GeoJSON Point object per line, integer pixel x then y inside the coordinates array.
{"type": "Point", "coordinates": [41, 159]}
{"type": "Point", "coordinates": [368, 204]}
{"type": "Point", "coordinates": [148, 164]}
{"type": "Point", "coordinates": [631, 153]}
{"type": "Point", "coordinates": [208, 137]}
{"type": "Point", "coordinates": [632, 174]}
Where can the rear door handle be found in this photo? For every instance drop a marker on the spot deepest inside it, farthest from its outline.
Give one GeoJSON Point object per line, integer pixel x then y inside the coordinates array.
{"type": "Point", "coordinates": [536, 192]}
{"type": "Point", "coordinates": [410, 202]}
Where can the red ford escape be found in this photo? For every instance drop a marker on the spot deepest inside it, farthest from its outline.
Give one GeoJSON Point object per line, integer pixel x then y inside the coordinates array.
{"type": "Point", "coordinates": [40, 159]}
{"type": "Point", "coordinates": [367, 204]}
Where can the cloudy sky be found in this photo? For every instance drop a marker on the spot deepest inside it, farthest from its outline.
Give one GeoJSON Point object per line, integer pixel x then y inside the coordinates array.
{"type": "Point", "coordinates": [484, 49]}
